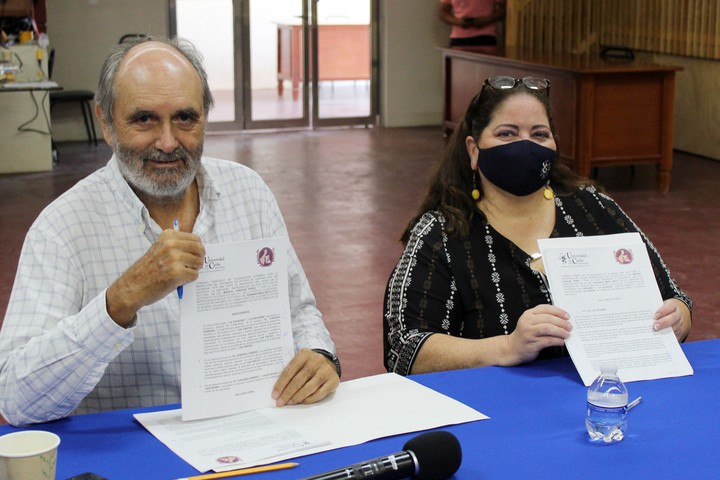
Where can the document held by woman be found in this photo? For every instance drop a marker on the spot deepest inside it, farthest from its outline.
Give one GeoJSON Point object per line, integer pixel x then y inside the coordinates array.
{"type": "Point", "coordinates": [606, 284]}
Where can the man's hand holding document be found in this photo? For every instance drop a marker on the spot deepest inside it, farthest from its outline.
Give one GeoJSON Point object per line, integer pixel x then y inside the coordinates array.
{"type": "Point", "coordinates": [606, 284]}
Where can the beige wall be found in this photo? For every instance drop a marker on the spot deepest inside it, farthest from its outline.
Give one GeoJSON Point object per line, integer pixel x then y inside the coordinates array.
{"type": "Point", "coordinates": [410, 63]}
{"type": "Point", "coordinates": [697, 104]}
{"type": "Point", "coordinates": [82, 32]}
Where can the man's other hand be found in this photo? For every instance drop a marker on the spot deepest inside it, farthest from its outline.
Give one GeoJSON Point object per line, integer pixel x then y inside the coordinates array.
{"type": "Point", "coordinates": [308, 378]}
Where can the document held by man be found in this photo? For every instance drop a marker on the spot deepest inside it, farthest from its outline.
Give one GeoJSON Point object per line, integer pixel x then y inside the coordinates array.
{"type": "Point", "coordinates": [606, 284]}
{"type": "Point", "coordinates": [359, 411]}
{"type": "Point", "coordinates": [236, 335]}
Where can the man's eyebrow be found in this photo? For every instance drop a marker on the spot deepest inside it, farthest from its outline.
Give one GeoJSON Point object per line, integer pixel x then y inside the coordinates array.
{"type": "Point", "coordinates": [140, 113]}
{"type": "Point", "coordinates": [189, 112]}
{"type": "Point", "coordinates": [137, 114]}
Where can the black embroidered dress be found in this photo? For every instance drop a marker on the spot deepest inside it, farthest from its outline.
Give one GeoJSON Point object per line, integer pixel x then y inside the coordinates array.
{"type": "Point", "coordinates": [479, 287]}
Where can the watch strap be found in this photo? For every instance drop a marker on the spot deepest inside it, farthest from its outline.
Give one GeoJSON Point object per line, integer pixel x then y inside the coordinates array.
{"type": "Point", "coordinates": [330, 356]}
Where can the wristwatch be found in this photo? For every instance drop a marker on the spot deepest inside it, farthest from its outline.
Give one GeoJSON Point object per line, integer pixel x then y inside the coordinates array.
{"type": "Point", "coordinates": [330, 356]}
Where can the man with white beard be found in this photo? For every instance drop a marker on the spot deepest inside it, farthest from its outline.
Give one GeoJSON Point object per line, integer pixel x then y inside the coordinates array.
{"type": "Point", "coordinates": [93, 318]}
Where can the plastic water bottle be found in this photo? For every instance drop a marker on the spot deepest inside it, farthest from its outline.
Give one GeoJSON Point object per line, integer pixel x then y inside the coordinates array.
{"type": "Point", "coordinates": [607, 400]}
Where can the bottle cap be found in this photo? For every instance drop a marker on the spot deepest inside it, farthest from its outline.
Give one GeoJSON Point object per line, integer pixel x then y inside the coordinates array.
{"type": "Point", "coordinates": [610, 368]}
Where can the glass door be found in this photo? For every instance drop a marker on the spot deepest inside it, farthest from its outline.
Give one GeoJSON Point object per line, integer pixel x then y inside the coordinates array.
{"type": "Point", "coordinates": [344, 46]}
{"type": "Point", "coordinates": [263, 56]}
{"type": "Point", "coordinates": [275, 39]}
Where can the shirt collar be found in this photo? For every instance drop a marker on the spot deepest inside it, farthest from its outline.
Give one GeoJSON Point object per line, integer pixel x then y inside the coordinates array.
{"type": "Point", "coordinates": [209, 195]}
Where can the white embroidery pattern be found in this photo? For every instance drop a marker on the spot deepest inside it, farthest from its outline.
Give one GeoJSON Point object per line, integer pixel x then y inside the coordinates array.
{"type": "Point", "coordinates": [495, 277]}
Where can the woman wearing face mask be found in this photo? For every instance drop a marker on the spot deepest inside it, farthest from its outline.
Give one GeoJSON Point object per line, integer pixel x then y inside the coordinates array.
{"type": "Point", "coordinates": [470, 270]}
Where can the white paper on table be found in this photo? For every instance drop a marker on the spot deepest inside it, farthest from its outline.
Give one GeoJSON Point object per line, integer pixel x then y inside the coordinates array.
{"type": "Point", "coordinates": [359, 411]}
{"type": "Point", "coordinates": [228, 443]}
{"type": "Point", "coordinates": [606, 284]}
{"type": "Point", "coordinates": [236, 335]}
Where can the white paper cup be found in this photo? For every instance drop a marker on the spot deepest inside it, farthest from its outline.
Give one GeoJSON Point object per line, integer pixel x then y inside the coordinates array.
{"type": "Point", "coordinates": [28, 455]}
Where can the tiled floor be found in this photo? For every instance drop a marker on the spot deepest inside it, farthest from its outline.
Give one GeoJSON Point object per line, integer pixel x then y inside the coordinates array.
{"type": "Point", "coordinates": [350, 98]}
{"type": "Point", "coordinates": [346, 196]}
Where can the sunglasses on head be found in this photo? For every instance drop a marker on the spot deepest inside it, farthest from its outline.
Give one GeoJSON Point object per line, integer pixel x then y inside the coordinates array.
{"type": "Point", "coordinates": [505, 83]}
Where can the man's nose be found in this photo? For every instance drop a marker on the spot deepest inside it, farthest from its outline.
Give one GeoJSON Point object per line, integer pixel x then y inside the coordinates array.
{"type": "Point", "coordinates": [166, 140]}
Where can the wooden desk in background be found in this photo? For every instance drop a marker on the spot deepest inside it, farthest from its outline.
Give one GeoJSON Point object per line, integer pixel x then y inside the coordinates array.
{"type": "Point", "coordinates": [606, 112]}
{"type": "Point", "coordinates": [343, 53]}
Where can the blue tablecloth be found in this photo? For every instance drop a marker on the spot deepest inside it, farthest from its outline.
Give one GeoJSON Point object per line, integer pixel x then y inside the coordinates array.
{"type": "Point", "coordinates": [536, 430]}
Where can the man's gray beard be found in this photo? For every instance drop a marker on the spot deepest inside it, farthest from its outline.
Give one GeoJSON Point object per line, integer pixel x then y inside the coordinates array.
{"type": "Point", "coordinates": [172, 184]}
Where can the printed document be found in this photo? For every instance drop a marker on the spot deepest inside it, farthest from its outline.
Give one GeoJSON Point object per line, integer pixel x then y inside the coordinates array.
{"type": "Point", "coordinates": [606, 284]}
{"type": "Point", "coordinates": [236, 335]}
{"type": "Point", "coordinates": [359, 411]}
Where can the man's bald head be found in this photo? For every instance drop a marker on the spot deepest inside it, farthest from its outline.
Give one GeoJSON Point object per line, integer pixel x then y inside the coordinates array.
{"type": "Point", "coordinates": [147, 54]}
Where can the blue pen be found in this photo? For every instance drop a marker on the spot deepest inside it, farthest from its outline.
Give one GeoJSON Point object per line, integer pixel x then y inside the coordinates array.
{"type": "Point", "coordinates": [176, 227]}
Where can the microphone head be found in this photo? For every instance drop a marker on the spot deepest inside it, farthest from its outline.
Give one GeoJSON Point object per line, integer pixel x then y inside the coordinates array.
{"type": "Point", "coordinates": [438, 455]}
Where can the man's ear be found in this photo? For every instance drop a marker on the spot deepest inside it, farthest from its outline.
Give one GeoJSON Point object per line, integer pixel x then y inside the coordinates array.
{"type": "Point", "coordinates": [101, 120]}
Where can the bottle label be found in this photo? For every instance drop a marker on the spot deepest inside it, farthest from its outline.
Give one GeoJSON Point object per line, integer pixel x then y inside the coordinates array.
{"type": "Point", "coordinates": [608, 410]}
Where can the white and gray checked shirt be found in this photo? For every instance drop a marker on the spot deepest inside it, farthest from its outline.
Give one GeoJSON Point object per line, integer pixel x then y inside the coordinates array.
{"type": "Point", "coordinates": [61, 353]}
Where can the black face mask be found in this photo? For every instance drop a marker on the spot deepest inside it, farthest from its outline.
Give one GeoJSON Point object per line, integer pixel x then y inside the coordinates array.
{"type": "Point", "coordinates": [520, 168]}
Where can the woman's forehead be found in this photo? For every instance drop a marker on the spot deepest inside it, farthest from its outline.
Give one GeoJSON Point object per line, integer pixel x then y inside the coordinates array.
{"type": "Point", "coordinates": [521, 104]}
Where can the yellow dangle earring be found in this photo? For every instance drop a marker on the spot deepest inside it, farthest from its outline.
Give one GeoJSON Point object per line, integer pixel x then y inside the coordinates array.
{"type": "Point", "coordinates": [548, 192]}
{"type": "Point", "coordinates": [475, 192]}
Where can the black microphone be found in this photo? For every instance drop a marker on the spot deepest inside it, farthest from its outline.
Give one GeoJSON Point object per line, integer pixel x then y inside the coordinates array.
{"type": "Point", "coordinates": [429, 456]}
